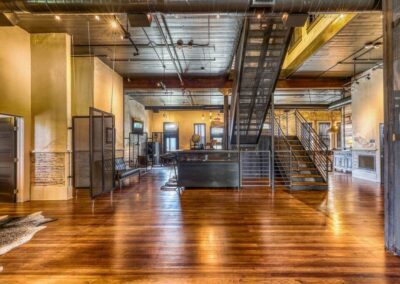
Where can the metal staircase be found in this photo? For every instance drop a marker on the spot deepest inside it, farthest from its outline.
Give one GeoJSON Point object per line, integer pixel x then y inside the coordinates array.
{"type": "Point", "coordinates": [301, 158]}
{"type": "Point", "coordinates": [260, 56]}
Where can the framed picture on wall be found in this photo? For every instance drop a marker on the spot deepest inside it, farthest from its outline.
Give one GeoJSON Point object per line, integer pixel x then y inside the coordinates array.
{"type": "Point", "coordinates": [109, 135]}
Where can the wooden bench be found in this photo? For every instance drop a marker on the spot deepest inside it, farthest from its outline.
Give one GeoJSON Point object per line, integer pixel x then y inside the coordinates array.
{"type": "Point", "coordinates": [123, 172]}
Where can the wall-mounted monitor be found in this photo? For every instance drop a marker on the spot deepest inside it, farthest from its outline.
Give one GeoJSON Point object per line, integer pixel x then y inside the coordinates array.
{"type": "Point", "coordinates": [137, 126]}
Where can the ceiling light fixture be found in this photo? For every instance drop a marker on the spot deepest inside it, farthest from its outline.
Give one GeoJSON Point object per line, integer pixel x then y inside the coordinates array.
{"type": "Point", "coordinates": [114, 24]}
{"type": "Point", "coordinates": [97, 18]}
{"type": "Point", "coordinates": [218, 16]}
{"type": "Point", "coordinates": [259, 16]}
{"type": "Point", "coordinates": [341, 16]}
{"type": "Point", "coordinates": [190, 44]}
{"type": "Point", "coordinates": [57, 17]}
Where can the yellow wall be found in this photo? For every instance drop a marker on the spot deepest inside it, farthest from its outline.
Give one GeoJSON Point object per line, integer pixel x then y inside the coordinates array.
{"type": "Point", "coordinates": [51, 116]}
{"type": "Point", "coordinates": [51, 93]}
{"type": "Point", "coordinates": [82, 85]}
{"type": "Point", "coordinates": [94, 84]}
{"type": "Point", "coordinates": [15, 88]}
{"type": "Point", "coordinates": [185, 120]}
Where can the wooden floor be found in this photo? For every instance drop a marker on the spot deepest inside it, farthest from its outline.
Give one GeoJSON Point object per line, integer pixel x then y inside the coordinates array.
{"type": "Point", "coordinates": [208, 236]}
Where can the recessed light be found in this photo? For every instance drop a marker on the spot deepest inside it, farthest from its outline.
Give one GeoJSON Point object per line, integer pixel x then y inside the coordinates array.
{"type": "Point", "coordinates": [57, 17]}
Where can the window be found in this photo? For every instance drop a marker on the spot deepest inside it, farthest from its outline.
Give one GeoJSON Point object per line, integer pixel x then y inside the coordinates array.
{"type": "Point", "coordinates": [171, 136]}
{"type": "Point", "coordinates": [200, 129]}
{"type": "Point", "coordinates": [217, 134]}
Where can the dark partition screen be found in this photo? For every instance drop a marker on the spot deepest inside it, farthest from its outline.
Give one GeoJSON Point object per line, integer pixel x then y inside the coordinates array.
{"type": "Point", "coordinates": [81, 157]}
{"type": "Point", "coordinates": [102, 145]}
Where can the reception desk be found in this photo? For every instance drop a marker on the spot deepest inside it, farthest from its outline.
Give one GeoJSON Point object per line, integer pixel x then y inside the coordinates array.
{"type": "Point", "coordinates": [208, 168]}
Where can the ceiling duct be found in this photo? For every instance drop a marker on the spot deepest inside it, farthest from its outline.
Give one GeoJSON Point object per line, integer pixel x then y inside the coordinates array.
{"type": "Point", "coordinates": [183, 6]}
{"type": "Point", "coordinates": [339, 103]}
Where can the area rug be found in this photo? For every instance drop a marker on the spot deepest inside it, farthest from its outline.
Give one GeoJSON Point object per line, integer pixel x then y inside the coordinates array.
{"type": "Point", "coordinates": [15, 231]}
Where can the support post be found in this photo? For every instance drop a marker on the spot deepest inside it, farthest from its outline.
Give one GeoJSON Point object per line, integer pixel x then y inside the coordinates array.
{"type": "Point", "coordinates": [392, 125]}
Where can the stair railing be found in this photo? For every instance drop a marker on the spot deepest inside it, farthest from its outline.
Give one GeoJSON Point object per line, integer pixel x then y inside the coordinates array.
{"type": "Point", "coordinates": [316, 148]}
{"type": "Point", "coordinates": [285, 159]}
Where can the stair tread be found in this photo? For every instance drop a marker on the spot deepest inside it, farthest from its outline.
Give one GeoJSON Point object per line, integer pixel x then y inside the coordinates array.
{"type": "Point", "coordinates": [306, 176]}
{"type": "Point", "coordinates": [309, 183]}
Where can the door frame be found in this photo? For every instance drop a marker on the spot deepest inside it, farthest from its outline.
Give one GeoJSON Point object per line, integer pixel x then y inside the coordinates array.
{"type": "Point", "coordinates": [20, 155]}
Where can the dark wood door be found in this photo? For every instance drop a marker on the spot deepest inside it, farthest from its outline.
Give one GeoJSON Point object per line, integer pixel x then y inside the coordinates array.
{"type": "Point", "coordinates": [8, 158]}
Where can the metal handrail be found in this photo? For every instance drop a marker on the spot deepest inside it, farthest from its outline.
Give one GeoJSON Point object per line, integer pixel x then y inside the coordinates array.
{"type": "Point", "coordinates": [313, 144]}
{"type": "Point", "coordinates": [293, 159]}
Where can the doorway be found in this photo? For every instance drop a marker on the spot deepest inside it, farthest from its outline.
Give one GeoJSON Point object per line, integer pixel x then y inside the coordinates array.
{"type": "Point", "coordinates": [8, 159]}
{"type": "Point", "coordinates": [171, 136]}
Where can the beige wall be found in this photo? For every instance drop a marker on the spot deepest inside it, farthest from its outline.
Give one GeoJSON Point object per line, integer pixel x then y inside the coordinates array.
{"type": "Point", "coordinates": [185, 120]}
{"type": "Point", "coordinates": [367, 115]}
{"type": "Point", "coordinates": [108, 93]}
{"type": "Point", "coordinates": [135, 110]}
{"type": "Point", "coordinates": [82, 85]}
{"type": "Point", "coordinates": [15, 88]}
{"type": "Point", "coordinates": [51, 94]}
{"type": "Point", "coordinates": [51, 116]}
{"type": "Point", "coordinates": [94, 84]}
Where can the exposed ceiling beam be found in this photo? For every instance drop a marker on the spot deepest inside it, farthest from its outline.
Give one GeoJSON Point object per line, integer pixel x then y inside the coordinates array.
{"type": "Point", "coordinates": [205, 82]}
{"type": "Point", "coordinates": [302, 53]}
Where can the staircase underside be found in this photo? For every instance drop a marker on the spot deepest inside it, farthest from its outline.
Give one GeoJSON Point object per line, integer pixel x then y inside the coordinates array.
{"type": "Point", "coordinates": [264, 49]}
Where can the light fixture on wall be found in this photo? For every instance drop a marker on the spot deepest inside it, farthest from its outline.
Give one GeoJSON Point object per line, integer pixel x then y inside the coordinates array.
{"type": "Point", "coordinates": [333, 129]}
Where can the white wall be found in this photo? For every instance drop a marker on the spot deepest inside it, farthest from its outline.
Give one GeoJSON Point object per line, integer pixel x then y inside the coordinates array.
{"type": "Point", "coordinates": [367, 106]}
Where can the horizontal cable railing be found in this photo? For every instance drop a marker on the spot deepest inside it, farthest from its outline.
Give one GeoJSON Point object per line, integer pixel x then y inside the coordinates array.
{"type": "Point", "coordinates": [255, 168]}
{"type": "Point", "coordinates": [286, 162]}
{"type": "Point", "coordinates": [294, 124]}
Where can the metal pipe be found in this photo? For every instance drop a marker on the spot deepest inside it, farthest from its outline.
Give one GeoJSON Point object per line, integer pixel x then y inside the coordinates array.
{"type": "Point", "coordinates": [172, 41]}
{"type": "Point", "coordinates": [340, 103]}
{"type": "Point", "coordinates": [195, 6]}
{"type": "Point", "coordinates": [168, 49]}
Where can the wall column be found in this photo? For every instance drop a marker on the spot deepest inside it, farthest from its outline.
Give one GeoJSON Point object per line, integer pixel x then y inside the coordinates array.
{"type": "Point", "coordinates": [226, 93]}
{"type": "Point", "coordinates": [51, 116]}
{"type": "Point", "coordinates": [392, 125]}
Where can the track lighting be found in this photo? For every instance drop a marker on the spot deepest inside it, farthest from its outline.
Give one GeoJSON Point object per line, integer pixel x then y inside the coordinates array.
{"type": "Point", "coordinates": [179, 44]}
